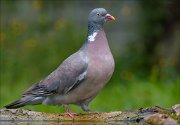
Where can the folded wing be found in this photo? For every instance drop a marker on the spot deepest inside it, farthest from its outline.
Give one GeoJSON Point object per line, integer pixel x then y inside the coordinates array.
{"type": "Point", "coordinates": [65, 78]}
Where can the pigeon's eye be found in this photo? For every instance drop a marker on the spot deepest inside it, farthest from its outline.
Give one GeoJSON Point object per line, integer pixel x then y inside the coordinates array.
{"type": "Point", "coordinates": [98, 14]}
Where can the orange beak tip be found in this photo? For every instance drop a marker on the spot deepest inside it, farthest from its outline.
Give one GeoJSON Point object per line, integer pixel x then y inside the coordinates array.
{"type": "Point", "coordinates": [113, 18]}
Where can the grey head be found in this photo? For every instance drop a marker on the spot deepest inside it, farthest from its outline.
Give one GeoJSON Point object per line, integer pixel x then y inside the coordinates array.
{"type": "Point", "coordinates": [97, 18]}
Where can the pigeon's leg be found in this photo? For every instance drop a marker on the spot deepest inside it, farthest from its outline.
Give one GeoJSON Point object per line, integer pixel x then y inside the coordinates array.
{"type": "Point", "coordinates": [71, 114]}
{"type": "Point", "coordinates": [85, 108]}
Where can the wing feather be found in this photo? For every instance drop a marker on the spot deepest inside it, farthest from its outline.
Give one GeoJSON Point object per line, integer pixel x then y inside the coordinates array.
{"type": "Point", "coordinates": [65, 78]}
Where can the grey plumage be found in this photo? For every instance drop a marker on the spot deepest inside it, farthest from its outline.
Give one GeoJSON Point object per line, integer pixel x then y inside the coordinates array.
{"type": "Point", "coordinates": [81, 76]}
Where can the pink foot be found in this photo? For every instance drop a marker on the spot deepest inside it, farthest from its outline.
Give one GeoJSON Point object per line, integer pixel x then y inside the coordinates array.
{"type": "Point", "coordinates": [71, 114]}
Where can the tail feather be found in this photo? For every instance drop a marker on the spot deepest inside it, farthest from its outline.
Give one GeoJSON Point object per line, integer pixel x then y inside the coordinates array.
{"type": "Point", "coordinates": [16, 104]}
{"type": "Point", "coordinates": [24, 101]}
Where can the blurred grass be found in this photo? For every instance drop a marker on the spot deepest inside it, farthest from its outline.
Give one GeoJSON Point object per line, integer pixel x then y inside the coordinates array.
{"type": "Point", "coordinates": [30, 51]}
{"type": "Point", "coordinates": [132, 95]}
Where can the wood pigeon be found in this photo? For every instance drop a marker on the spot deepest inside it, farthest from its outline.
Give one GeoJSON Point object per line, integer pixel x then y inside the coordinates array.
{"type": "Point", "coordinates": [81, 76]}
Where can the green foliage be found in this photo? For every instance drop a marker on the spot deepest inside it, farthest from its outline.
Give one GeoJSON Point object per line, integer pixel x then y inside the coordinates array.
{"type": "Point", "coordinates": [27, 59]}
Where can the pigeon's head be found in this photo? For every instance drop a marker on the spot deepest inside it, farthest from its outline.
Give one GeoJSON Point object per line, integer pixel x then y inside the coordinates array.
{"type": "Point", "coordinates": [99, 16]}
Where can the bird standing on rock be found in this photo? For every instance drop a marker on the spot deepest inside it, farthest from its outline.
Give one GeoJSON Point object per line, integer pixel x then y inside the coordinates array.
{"type": "Point", "coordinates": [81, 76]}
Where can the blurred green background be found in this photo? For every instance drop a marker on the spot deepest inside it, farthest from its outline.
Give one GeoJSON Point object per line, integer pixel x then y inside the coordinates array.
{"type": "Point", "coordinates": [37, 35]}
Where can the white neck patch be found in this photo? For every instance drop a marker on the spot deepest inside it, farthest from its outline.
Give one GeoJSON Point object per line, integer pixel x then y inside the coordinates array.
{"type": "Point", "coordinates": [91, 38]}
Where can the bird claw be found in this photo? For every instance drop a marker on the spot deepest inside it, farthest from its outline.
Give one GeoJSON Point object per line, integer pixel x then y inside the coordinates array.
{"type": "Point", "coordinates": [91, 112]}
{"type": "Point", "coordinates": [71, 114]}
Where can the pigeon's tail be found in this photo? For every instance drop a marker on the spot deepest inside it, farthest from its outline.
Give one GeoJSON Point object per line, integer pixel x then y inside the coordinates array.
{"type": "Point", "coordinates": [27, 100]}
{"type": "Point", "coordinates": [16, 104]}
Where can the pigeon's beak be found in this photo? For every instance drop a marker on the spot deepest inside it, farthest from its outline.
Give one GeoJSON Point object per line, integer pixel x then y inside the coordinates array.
{"type": "Point", "coordinates": [109, 17]}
